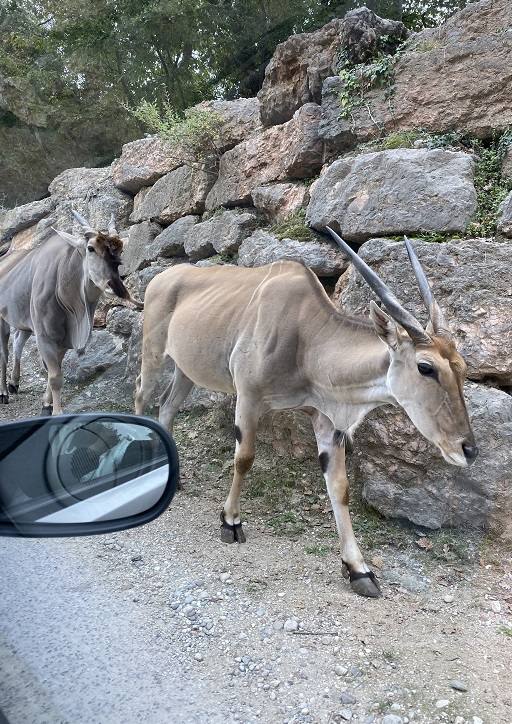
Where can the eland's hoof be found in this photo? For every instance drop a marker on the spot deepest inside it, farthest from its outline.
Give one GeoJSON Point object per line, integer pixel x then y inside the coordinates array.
{"type": "Point", "coordinates": [47, 411]}
{"type": "Point", "coordinates": [365, 584]}
{"type": "Point", "coordinates": [4, 399]}
{"type": "Point", "coordinates": [14, 389]}
{"type": "Point", "coordinates": [231, 533]}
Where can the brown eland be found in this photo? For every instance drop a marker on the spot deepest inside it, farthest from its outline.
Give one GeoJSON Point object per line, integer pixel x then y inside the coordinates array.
{"type": "Point", "coordinates": [52, 292]}
{"type": "Point", "coordinates": [272, 336]}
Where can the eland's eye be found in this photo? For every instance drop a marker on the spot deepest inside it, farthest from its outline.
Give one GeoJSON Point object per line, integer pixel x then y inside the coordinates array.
{"type": "Point", "coordinates": [426, 369]}
{"type": "Point", "coordinates": [91, 249]}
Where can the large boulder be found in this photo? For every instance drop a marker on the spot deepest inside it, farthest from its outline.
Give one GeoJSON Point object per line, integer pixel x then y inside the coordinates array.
{"type": "Point", "coordinates": [222, 234]}
{"type": "Point", "coordinates": [505, 217]}
{"type": "Point", "coordinates": [91, 192]}
{"type": "Point", "coordinates": [240, 119]}
{"type": "Point", "coordinates": [139, 251]}
{"type": "Point", "coordinates": [295, 73]}
{"type": "Point", "coordinates": [102, 352]}
{"type": "Point", "coordinates": [404, 476]}
{"type": "Point", "coordinates": [280, 201]}
{"type": "Point", "coordinates": [454, 77]}
{"type": "Point", "coordinates": [22, 217]}
{"type": "Point", "coordinates": [180, 193]}
{"type": "Point", "coordinates": [290, 151]}
{"type": "Point", "coordinates": [171, 241]}
{"type": "Point", "coordinates": [144, 161]}
{"type": "Point", "coordinates": [395, 192]}
{"type": "Point", "coordinates": [300, 64]}
{"type": "Point", "coordinates": [472, 282]}
{"type": "Point", "coordinates": [320, 256]}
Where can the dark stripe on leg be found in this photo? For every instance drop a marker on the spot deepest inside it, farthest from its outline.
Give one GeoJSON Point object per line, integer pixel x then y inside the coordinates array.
{"type": "Point", "coordinates": [238, 434]}
{"type": "Point", "coordinates": [323, 459]}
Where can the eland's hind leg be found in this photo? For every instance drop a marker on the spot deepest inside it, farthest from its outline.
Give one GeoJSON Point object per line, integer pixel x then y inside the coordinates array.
{"type": "Point", "coordinates": [20, 340]}
{"type": "Point", "coordinates": [173, 397]}
{"type": "Point", "coordinates": [247, 415]}
{"type": "Point", "coordinates": [5, 331]}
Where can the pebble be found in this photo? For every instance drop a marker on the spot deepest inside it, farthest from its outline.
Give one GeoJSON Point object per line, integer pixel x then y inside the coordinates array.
{"type": "Point", "coordinates": [347, 698]}
{"type": "Point", "coordinates": [441, 703]}
{"type": "Point", "coordinates": [392, 719]}
{"type": "Point", "coordinates": [345, 714]}
{"type": "Point", "coordinates": [477, 720]}
{"type": "Point", "coordinates": [458, 685]}
{"type": "Point", "coordinates": [225, 577]}
{"type": "Point", "coordinates": [495, 606]}
{"type": "Point", "coordinates": [290, 625]}
{"type": "Point", "coordinates": [198, 657]}
{"type": "Point", "coordinates": [448, 598]}
{"type": "Point", "coordinates": [340, 670]}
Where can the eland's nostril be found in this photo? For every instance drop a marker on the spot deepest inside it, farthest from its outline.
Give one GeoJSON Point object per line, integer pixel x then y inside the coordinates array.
{"type": "Point", "coordinates": [470, 451]}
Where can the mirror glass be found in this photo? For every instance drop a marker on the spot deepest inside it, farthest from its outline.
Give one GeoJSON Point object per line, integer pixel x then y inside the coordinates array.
{"type": "Point", "coordinates": [81, 469]}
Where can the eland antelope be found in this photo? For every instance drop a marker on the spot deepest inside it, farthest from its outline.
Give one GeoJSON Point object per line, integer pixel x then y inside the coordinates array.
{"type": "Point", "coordinates": [52, 292]}
{"type": "Point", "coordinates": [272, 336]}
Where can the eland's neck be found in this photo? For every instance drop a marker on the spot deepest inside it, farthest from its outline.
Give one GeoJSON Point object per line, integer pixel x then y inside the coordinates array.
{"type": "Point", "coordinates": [348, 369]}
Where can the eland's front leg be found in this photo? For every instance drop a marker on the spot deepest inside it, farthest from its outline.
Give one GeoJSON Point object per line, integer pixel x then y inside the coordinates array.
{"type": "Point", "coordinates": [331, 455]}
{"type": "Point", "coordinates": [52, 359]}
{"type": "Point", "coordinates": [246, 423]}
{"type": "Point", "coordinates": [5, 331]}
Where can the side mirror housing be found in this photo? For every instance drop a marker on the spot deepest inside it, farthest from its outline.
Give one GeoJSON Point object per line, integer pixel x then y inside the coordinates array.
{"type": "Point", "coordinates": [73, 475]}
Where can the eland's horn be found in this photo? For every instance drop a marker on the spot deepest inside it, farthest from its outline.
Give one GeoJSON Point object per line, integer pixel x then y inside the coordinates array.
{"type": "Point", "coordinates": [112, 231]}
{"type": "Point", "coordinates": [390, 302]}
{"type": "Point", "coordinates": [433, 308]}
{"type": "Point", "coordinates": [81, 220]}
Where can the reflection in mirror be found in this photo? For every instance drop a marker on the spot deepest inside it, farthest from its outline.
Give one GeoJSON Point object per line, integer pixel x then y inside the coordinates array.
{"type": "Point", "coordinates": [81, 469]}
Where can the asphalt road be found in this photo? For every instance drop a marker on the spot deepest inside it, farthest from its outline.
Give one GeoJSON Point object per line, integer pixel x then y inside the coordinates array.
{"type": "Point", "coordinates": [73, 650]}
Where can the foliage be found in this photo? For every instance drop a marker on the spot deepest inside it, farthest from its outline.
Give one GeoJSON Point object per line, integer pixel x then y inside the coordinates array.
{"type": "Point", "coordinates": [359, 80]}
{"type": "Point", "coordinates": [294, 227]}
{"type": "Point", "coordinates": [195, 134]}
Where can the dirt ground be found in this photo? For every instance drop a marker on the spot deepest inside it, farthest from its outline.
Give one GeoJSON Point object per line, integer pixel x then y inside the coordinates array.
{"type": "Point", "coordinates": [273, 627]}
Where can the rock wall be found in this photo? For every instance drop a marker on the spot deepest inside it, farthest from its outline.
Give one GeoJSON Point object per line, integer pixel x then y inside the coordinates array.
{"type": "Point", "coordinates": [290, 164]}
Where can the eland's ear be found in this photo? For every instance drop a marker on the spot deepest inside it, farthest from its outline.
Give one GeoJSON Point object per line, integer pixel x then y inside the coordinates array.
{"type": "Point", "coordinates": [384, 325]}
{"type": "Point", "coordinates": [79, 244]}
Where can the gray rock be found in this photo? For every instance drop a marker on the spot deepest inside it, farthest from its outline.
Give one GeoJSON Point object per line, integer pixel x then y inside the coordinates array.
{"type": "Point", "coordinates": [458, 685]}
{"type": "Point", "coordinates": [139, 251]}
{"type": "Point", "coordinates": [347, 698]}
{"type": "Point", "coordinates": [279, 201]}
{"type": "Point", "coordinates": [299, 65]}
{"type": "Point", "coordinates": [241, 119]}
{"type": "Point", "coordinates": [91, 192]}
{"type": "Point", "coordinates": [222, 234]}
{"type": "Point", "coordinates": [472, 282]}
{"type": "Point", "coordinates": [263, 248]}
{"type": "Point", "coordinates": [392, 719]}
{"type": "Point", "coordinates": [295, 73]}
{"type": "Point", "coordinates": [505, 217]}
{"type": "Point", "coordinates": [337, 132]}
{"type": "Point", "coordinates": [103, 350]}
{"type": "Point", "coordinates": [436, 61]}
{"type": "Point", "coordinates": [21, 217]}
{"type": "Point", "coordinates": [121, 320]}
{"type": "Point", "coordinates": [506, 166]}
{"type": "Point", "coordinates": [291, 625]}
{"type": "Point", "coordinates": [290, 151]}
{"type": "Point", "coordinates": [395, 192]}
{"type": "Point", "coordinates": [179, 193]}
{"type": "Point", "coordinates": [171, 241]}
{"type": "Point", "coordinates": [143, 162]}
{"type": "Point", "coordinates": [345, 714]}
{"type": "Point", "coordinates": [412, 481]}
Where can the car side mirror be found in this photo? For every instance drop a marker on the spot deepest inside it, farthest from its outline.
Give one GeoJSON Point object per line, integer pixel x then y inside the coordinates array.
{"type": "Point", "coordinates": [84, 474]}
